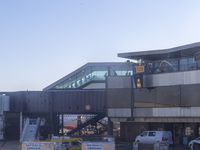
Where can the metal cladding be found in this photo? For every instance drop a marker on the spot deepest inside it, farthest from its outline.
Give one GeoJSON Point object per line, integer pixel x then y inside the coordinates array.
{"type": "Point", "coordinates": [72, 102]}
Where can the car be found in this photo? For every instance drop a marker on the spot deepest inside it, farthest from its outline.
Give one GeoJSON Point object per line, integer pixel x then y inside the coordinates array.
{"type": "Point", "coordinates": [194, 143]}
{"type": "Point", "coordinates": [154, 136]}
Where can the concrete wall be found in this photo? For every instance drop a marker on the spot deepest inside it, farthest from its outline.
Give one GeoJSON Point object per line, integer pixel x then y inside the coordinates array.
{"type": "Point", "coordinates": [174, 78]}
{"type": "Point", "coordinates": [119, 92]}
{"type": "Point", "coordinates": [167, 112]}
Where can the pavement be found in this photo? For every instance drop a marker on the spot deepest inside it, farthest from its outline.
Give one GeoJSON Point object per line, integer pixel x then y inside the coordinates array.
{"type": "Point", "coordinates": [9, 145]}
{"type": "Point", "coordinates": [14, 145]}
{"type": "Point", "coordinates": [129, 146]}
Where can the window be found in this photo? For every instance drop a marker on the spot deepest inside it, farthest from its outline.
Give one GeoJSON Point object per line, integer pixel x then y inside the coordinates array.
{"type": "Point", "coordinates": [152, 133]}
{"type": "Point", "coordinates": [199, 131]}
{"type": "Point", "coordinates": [183, 64]}
{"type": "Point", "coordinates": [121, 70]}
{"type": "Point", "coordinates": [198, 64]}
{"type": "Point", "coordinates": [188, 131]}
{"type": "Point", "coordinates": [174, 64]}
{"type": "Point", "coordinates": [192, 64]}
{"type": "Point", "coordinates": [144, 134]}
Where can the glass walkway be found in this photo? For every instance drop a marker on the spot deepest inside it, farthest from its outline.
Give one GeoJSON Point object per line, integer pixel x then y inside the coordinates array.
{"type": "Point", "coordinates": [91, 73]}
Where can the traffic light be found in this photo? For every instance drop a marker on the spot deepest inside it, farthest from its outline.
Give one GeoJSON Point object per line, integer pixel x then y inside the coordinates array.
{"type": "Point", "coordinates": [138, 80]}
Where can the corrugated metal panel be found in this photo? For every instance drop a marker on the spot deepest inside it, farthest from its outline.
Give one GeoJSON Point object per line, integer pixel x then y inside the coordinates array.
{"type": "Point", "coordinates": [37, 102]}
{"type": "Point", "coordinates": [75, 101]}
{"type": "Point", "coordinates": [59, 101]}
{"type": "Point", "coordinates": [17, 100]}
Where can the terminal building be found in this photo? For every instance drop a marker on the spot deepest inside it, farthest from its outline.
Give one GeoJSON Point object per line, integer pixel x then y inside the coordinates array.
{"type": "Point", "coordinates": [151, 90]}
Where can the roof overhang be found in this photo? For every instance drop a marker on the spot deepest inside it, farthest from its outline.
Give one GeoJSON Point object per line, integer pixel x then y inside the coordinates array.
{"type": "Point", "coordinates": [153, 55]}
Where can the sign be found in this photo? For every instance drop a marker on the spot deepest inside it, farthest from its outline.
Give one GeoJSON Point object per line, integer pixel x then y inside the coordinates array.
{"type": "Point", "coordinates": [139, 69]}
{"type": "Point", "coordinates": [94, 147]}
{"type": "Point", "coordinates": [33, 146]}
{"type": "Point", "coordinates": [197, 56]}
{"type": "Point", "coordinates": [87, 107]}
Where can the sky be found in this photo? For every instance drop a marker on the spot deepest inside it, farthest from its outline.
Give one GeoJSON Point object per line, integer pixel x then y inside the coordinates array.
{"type": "Point", "coordinates": [41, 41]}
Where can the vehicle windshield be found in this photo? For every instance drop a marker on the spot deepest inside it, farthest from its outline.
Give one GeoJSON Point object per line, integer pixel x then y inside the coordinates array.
{"type": "Point", "coordinates": [143, 134]}
{"type": "Point", "coordinates": [197, 138]}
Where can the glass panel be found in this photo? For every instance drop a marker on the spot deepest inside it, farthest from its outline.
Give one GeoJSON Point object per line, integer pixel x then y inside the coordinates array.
{"type": "Point", "coordinates": [121, 71]}
{"type": "Point", "coordinates": [149, 68]}
{"type": "Point", "coordinates": [144, 134]}
{"type": "Point", "coordinates": [188, 131]}
{"type": "Point", "coordinates": [69, 83]}
{"type": "Point", "coordinates": [198, 64]}
{"type": "Point", "coordinates": [76, 80]}
{"type": "Point", "coordinates": [152, 133]}
{"type": "Point", "coordinates": [115, 70]}
{"type": "Point", "coordinates": [183, 64]}
{"type": "Point", "coordinates": [157, 67]}
{"type": "Point", "coordinates": [83, 77]}
{"type": "Point", "coordinates": [174, 64]}
{"type": "Point", "coordinates": [99, 73]}
{"type": "Point", "coordinates": [199, 131]}
{"type": "Point", "coordinates": [192, 64]}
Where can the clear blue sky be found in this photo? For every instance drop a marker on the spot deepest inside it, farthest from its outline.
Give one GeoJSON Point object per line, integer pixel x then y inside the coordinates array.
{"type": "Point", "coordinates": [43, 40]}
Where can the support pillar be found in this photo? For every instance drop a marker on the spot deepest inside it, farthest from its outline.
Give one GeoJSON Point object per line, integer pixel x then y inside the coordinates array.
{"type": "Point", "coordinates": [21, 124]}
{"type": "Point", "coordinates": [58, 124]}
{"type": "Point", "coordinates": [51, 115]}
{"type": "Point", "coordinates": [62, 125]}
{"type": "Point", "coordinates": [110, 127]}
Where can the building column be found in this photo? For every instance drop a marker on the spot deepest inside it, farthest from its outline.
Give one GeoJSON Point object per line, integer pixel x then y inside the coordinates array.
{"type": "Point", "coordinates": [62, 125]}
{"type": "Point", "coordinates": [110, 127]}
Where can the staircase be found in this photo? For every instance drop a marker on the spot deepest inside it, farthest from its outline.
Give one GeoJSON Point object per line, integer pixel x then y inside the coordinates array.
{"type": "Point", "coordinates": [90, 121]}
{"type": "Point", "coordinates": [30, 130]}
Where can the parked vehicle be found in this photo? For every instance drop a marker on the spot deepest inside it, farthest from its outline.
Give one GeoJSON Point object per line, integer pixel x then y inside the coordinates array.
{"type": "Point", "coordinates": [155, 136]}
{"type": "Point", "coordinates": [194, 144]}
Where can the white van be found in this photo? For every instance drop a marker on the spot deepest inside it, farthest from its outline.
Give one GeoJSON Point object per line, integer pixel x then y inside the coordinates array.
{"type": "Point", "coordinates": [155, 136]}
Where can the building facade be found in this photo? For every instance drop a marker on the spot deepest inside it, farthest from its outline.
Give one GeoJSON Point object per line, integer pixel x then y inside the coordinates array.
{"type": "Point", "coordinates": [169, 98]}
{"type": "Point", "coordinates": [152, 90]}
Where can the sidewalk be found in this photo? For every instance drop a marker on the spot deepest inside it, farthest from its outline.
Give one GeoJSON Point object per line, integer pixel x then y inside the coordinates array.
{"type": "Point", "coordinates": [14, 145]}
{"type": "Point", "coordinates": [179, 147]}
{"type": "Point", "coordinates": [9, 145]}
{"type": "Point", "coordinates": [129, 146]}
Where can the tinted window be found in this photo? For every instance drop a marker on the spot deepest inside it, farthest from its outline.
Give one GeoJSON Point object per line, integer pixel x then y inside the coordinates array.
{"type": "Point", "coordinates": [183, 64]}
{"type": "Point", "coordinates": [152, 133]}
{"type": "Point", "coordinates": [144, 134]}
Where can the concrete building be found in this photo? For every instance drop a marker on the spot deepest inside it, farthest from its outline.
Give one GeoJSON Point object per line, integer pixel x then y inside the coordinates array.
{"type": "Point", "coordinates": [169, 98]}
{"type": "Point", "coordinates": [160, 92]}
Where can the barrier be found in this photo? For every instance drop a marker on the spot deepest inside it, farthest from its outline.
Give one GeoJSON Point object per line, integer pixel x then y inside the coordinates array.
{"type": "Point", "coordinates": [37, 146]}
{"type": "Point", "coordinates": [58, 143]}
{"type": "Point", "coordinates": [98, 145]}
{"type": "Point", "coordinates": [150, 146]}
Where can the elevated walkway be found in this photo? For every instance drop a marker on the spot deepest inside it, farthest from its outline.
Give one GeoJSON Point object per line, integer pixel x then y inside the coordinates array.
{"type": "Point", "coordinates": [91, 73]}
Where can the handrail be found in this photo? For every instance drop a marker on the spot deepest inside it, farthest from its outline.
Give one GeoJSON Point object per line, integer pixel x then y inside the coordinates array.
{"type": "Point", "coordinates": [24, 130]}
{"type": "Point", "coordinates": [37, 127]}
